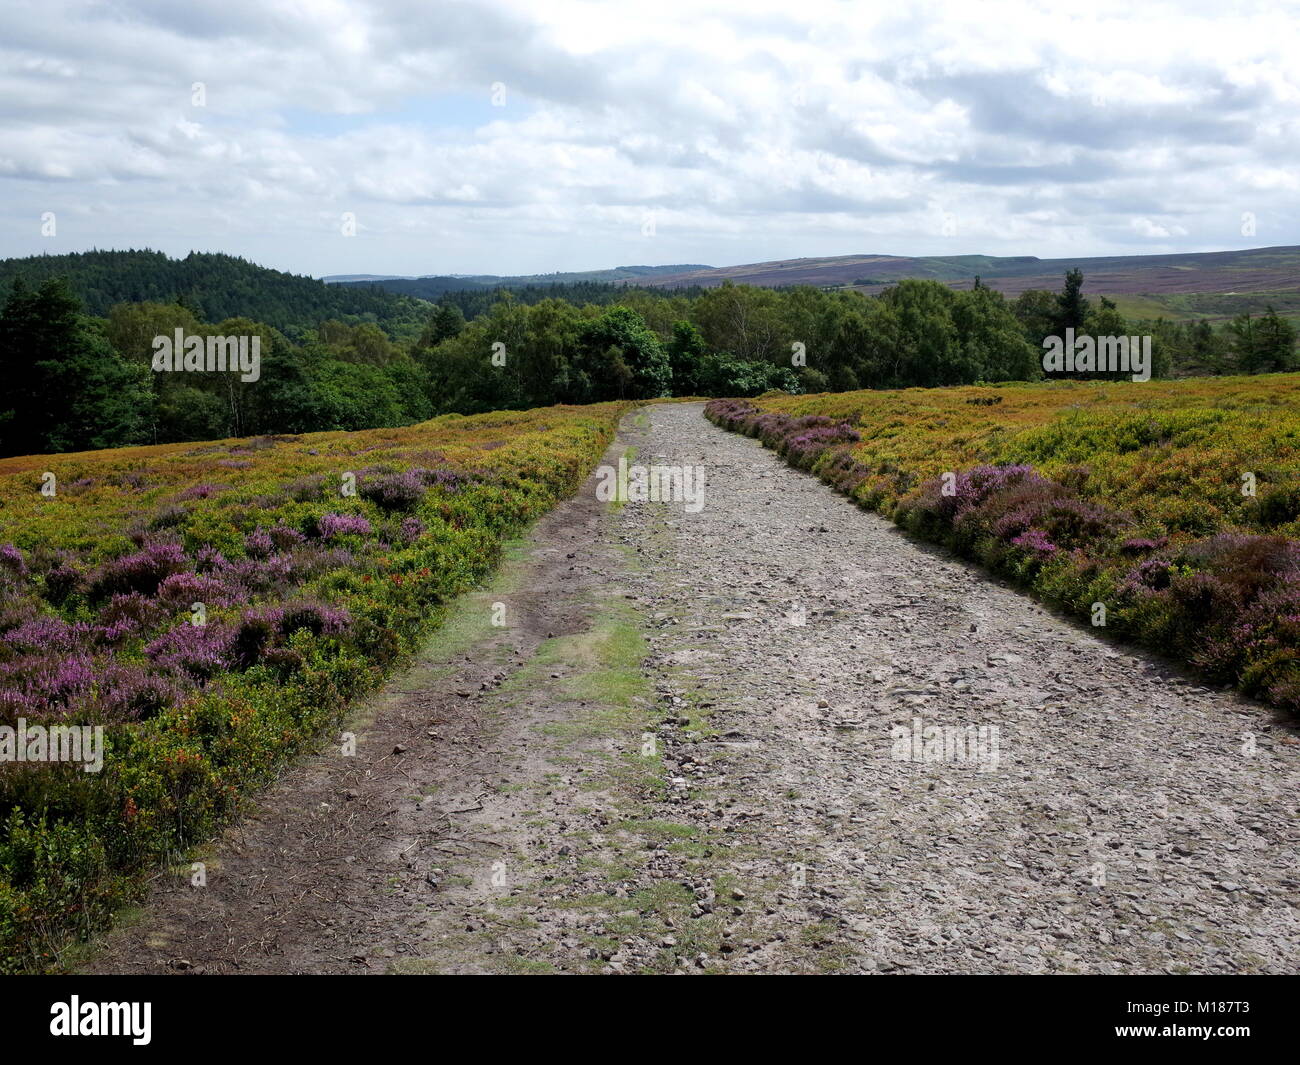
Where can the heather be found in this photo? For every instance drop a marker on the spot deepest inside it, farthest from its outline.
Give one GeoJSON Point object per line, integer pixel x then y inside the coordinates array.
{"type": "Point", "coordinates": [1163, 512]}
{"type": "Point", "coordinates": [213, 625]}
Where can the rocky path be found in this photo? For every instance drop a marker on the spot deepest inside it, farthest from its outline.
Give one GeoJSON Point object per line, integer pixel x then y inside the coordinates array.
{"type": "Point", "coordinates": [773, 735]}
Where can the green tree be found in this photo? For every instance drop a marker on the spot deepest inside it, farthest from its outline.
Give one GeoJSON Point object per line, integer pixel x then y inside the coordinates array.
{"type": "Point", "coordinates": [993, 346]}
{"type": "Point", "coordinates": [445, 322]}
{"type": "Point", "coordinates": [686, 353]}
{"type": "Point", "coordinates": [634, 363]}
{"type": "Point", "coordinates": [1035, 310]}
{"type": "Point", "coordinates": [1263, 345]}
{"type": "Point", "coordinates": [62, 386]}
{"type": "Point", "coordinates": [1071, 305]}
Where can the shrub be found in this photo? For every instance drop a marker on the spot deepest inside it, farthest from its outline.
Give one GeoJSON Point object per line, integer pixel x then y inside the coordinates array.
{"type": "Point", "coordinates": [140, 572]}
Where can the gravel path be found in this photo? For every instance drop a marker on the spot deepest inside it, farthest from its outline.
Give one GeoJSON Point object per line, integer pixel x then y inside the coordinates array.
{"type": "Point", "coordinates": [698, 743]}
{"type": "Point", "coordinates": [1129, 819]}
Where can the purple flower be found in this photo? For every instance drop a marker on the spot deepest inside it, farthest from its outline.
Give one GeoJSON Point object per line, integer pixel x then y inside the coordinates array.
{"type": "Point", "coordinates": [265, 575]}
{"type": "Point", "coordinates": [200, 491]}
{"type": "Point", "coordinates": [138, 609]}
{"type": "Point", "coordinates": [394, 491]}
{"type": "Point", "coordinates": [141, 572]}
{"type": "Point", "coordinates": [1136, 545]}
{"type": "Point", "coordinates": [1035, 540]}
{"type": "Point", "coordinates": [412, 529]}
{"type": "Point", "coordinates": [285, 538]}
{"type": "Point", "coordinates": [317, 618]}
{"type": "Point", "coordinates": [51, 634]}
{"type": "Point", "coordinates": [50, 683]}
{"type": "Point", "coordinates": [183, 589]}
{"type": "Point", "coordinates": [309, 562]}
{"type": "Point", "coordinates": [199, 651]}
{"type": "Point", "coordinates": [258, 544]}
{"type": "Point", "coordinates": [334, 525]}
{"type": "Point", "coordinates": [132, 693]}
{"type": "Point", "coordinates": [11, 559]}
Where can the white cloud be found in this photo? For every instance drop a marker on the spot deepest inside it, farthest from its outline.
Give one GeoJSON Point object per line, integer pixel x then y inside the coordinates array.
{"type": "Point", "coordinates": [754, 130]}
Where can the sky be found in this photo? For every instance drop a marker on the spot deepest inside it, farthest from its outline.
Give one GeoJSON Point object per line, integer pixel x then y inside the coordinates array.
{"type": "Point", "coordinates": [430, 137]}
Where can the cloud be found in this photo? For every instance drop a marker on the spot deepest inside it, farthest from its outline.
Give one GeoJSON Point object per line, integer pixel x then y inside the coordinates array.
{"type": "Point", "coordinates": [506, 136]}
{"type": "Point", "coordinates": [1144, 227]}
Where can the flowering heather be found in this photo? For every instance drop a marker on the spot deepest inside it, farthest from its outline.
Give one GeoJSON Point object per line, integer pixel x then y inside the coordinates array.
{"type": "Point", "coordinates": [310, 489]}
{"type": "Point", "coordinates": [114, 633]}
{"type": "Point", "coordinates": [393, 491]}
{"type": "Point", "coordinates": [197, 651]}
{"type": "Point", "coordinates": [319, 619]}
{"type": "Point", "coordinates": [263, 542]}
{"type": "Point", "coordinates": [263, 576]}
{"type": "Point", "coordinates": [11, 559]}
{"type": "Point", "coordinates": [144, 611]}
{"type": "Point", "coordinates": [284, 538]}
{"type": "Point", "coordinates": [140, 572]}
{"type": "Point", "coordinates": [1152, 575]}
{"type": "Point", "coordinates": [333, 525]}
{"type": "Point", "coordinates": [182, 589]}
{"type": "Point", "coordinates": [1071, 522]}
{"type": "Point", "coordinates": [216, 648]}
{"type": "Point", "coordinates": [1138, 545]}
{"type": "Point", "coordinates": [60, 582]}
{"type": "Point", "coordinates": [50, 634]}
{"type": "Point", "coordinates": [970, 488]}
{"type": "Point", "coordinates": [53, 682]}
{"type": "Point", "coordinates": [410, 530]}
{"type": "Point", "coordinates": [1035, 540]}
{"type": "Point", "coordinates": [313, 560]}
{"type": "Point", "coordinates": [258, 544]}
{"type": "Point", "coordinates": [133, 693]}
{"type": "Point", "coordinates": [807, 443]}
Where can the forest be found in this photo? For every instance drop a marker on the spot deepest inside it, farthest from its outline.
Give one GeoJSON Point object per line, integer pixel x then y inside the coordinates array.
{"type": "Point", "coordinates": [77, 332]}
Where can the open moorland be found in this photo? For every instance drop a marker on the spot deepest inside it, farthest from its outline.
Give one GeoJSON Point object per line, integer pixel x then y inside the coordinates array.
{"type": "Point", "coordinates": [212, 608]}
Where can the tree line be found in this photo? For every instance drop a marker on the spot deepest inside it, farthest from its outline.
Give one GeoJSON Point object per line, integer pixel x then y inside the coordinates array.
{"type": "Point", "coordinates": [73, 380]}
{"type": "Point", "coordinates": [216, 286]}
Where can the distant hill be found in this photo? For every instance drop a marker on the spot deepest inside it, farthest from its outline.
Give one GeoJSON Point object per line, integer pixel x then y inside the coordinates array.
{"type": "Point", "coordinates": [335, 278]}
{"type": "Point", "coordinates": [433, 287]}
{"type": "Point", "coordinates": [1180, 286]}
{"type": "Point", "coordinates": [218, 287]}
{"type": "Point", "coordinates": [1183, 286]}
{"type": "Point", "coordinates": [1251, 270]}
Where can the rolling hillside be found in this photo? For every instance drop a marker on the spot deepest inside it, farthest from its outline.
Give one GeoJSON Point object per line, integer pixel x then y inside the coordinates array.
{"type": "Point", "coordinates": [1251, 270]}
{"type": "Point", "coordinates": [216, 286]}
{"type": "Point", "coordinates": [432, 287]}
{"type": "Point", "coordinates": [1181, 287]}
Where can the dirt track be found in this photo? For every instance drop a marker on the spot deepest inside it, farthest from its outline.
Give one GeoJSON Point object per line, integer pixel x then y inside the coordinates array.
{"type": "Point", "coordinates": [690, 748]}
